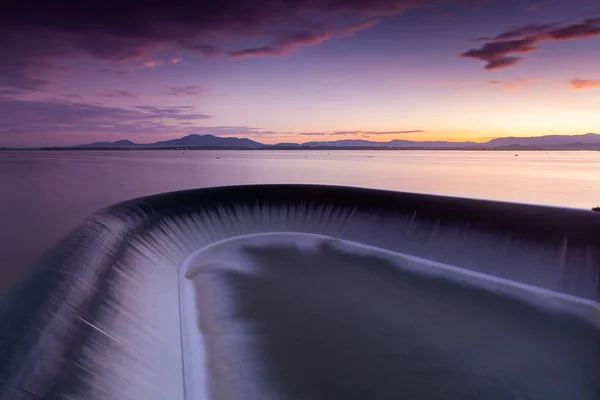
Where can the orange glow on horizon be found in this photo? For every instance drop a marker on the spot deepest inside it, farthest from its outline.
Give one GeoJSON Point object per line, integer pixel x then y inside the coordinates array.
{"type": "Point", "coordinates": [480, 136]}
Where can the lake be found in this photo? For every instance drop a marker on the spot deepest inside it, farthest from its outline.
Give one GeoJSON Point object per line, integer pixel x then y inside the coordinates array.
{"type": "Point", "coordinates": [45, 194]}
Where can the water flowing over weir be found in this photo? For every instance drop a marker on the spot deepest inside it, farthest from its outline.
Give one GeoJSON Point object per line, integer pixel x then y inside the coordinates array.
{"type": "Point", "coordinates": [311, 292]}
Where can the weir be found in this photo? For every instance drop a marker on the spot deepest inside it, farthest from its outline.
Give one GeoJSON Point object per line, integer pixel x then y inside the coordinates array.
{"type": "Point", "coordinates": [308, 292]}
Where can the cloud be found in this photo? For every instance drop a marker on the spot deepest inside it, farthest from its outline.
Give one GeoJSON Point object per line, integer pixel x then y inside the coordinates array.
{"type": "Point", "coordinates": [177, 113]}
{"type": "Point", "coordinates": [35, 33]}
{"type": "Point", "coordinates": [20, 81]}
{"type": "Point", "coordinates": [235, 131]}
{"type": "Point", "coordinates": [176, 60]}
{"type": "Point", "coordinates": [352, 29]}
{"type": "Point", "coordinates": [495, 53]}
{"type": "Point", "coordinates": [22, 59]}
{"type": "Point", "coordinates": [500, 51]}
{"type": "Point", "coordinates": [502, 62]}
{"type": "Point", "coordinates": [115, 94]}
{"type": "Point", "coordinates": [19, 116]}
{"type": "Point", "coordinates": [523, 32]}
{"type": "Point", "coordinates": [585, 84]}
{"type": "Point", "coordinates": [311, 134]}
{"type": "Point", "coordinates": [353, 133]}
{"type": "Point", "coordinates": [152, 64]}
{"type": "Point", "coordinates": [515, 84]}
{"type": "Point", "coordinates": [293, 40]}
{"type": "Point", "coordinates": [190, 90]}
{"type": "Point", "coordinates": [284, 45]}
{"type": "Point", "coordinates": [66, 117]}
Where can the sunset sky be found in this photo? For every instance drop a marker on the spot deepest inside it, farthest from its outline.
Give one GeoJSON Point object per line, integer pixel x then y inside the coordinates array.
{"type": "Point", "coordinates": [294, 71]}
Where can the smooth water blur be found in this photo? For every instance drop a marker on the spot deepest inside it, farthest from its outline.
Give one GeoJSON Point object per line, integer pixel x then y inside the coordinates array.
{"type": "Point", "coordinates": [45, 194]}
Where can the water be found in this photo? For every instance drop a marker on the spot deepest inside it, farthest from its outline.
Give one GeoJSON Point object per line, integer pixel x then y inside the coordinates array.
{"type": "Point", "coordinates": [44, 195]}
{"type": "Point", "coordinates": [200, 292]}
{"type": "Point", "coordinates": [375, 325]}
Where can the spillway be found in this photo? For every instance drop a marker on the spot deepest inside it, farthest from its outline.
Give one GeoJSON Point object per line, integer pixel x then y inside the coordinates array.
{"type": "Point", "coordinates": [310, 292]}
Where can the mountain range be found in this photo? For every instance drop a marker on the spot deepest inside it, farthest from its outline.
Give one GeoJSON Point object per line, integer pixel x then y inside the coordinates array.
{"type": "Point", "coordinates": [589, 141]}
{"type": "Point", "coordinates": [193, 140]}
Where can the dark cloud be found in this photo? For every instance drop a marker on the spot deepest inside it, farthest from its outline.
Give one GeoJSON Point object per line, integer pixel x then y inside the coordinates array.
{"type": "Point", "coordinates": [499, 51]}
{"type": "Point", "coordinates": [292, 40]}
{"type": "Point", "coordinates": [138, 20]}
{"type": "Point", "coordinates": [502, 62]}
{"type": "Point", "coordinates": [585, 29]}
{"type": "Point", "coordinates": [285, 44]}
{"type": "Point", "coordinates": [20, 116]}
{"type": "Point", "coordinates": [518, 33]}
{"type": "Point", "coordinates": [190, 90]}
{"type": "Point", "coordinates": [115, 94]}
{"type": "Point", "coordinates": [496, 53]}
{"type": "Point", "coordinates": [33, 33]}
{"type": "Point", "coordinates": [585, 84]}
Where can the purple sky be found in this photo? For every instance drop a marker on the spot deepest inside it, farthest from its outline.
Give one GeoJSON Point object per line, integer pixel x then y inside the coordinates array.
{"type": "Point", "coordinates": [301, 70]}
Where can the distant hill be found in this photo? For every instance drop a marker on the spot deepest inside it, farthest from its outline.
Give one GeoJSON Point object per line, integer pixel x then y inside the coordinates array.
{"type": "Point", "coordinates": [208, 141]}
{"type": "Point", "coordinates": [287, 145]}
{"type": "Point", "coordinates": [120, 143]}
{"type": "Point", "coordinates": [589, 141]}
{"type": "Point", "coordinates": [546, 141]}
{"type": "Point", "coordinates": [193, 140]}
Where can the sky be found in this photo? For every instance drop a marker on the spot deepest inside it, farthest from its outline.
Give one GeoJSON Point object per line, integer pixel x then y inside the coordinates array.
{"type": "Point", "coordinates": [74, 72]}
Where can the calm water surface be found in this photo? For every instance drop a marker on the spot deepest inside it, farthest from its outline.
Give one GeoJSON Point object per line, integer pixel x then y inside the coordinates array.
{"type": "Point", "coordinates": [44, 195]}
